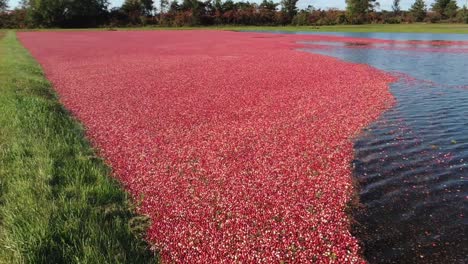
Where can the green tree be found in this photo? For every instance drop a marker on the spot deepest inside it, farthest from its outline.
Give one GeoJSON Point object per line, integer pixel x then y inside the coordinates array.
{"type": "Point", "coordinates": [195, 8]}
{"type": "Point", "coordinates": [66, 13]}
{"type": "Point", "coordinates": [46, 13]}
{"type": "Point", "coordinates": [289, 7]}
{"type": "Point", "coordinates": [451, 9]}
{"type": "Point", "coordinates": [228, 5]}
{"type": "Point", "coordinates": [267, 12]}
{"type": "Point", "coordinates": [463, 14]}
{"type": "Point", "coordinates": [396, 7]}
{"type": "Point", "coordinates": [268, 5]}
{"type": "Point", "coordinates": [24, 4]}
{"type": "Point", "coordinates": [134, 9]}
{"type": "Point", "coordinates": [359, 9]}
{"type": "Point", "coordinates": [174, 7]}
{"type": "Point", "coordinates": [85, 13]}
{"type": "Point", "coordinates": [3, 5]}
{"type": "Point", "coordinates": [439, 7]}
{"type": "Point", "coordinates": [419, 10]}
{"type": "Point", "coordinates": [148, 7]}
{"type": "Point", "coordinates": [163, 4]}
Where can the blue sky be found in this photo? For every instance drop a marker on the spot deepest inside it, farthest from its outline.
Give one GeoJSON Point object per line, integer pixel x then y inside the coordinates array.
{"type": "Point", "coordinates": [385, 4]}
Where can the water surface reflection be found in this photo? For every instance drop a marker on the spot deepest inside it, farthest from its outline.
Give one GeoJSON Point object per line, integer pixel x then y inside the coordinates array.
{"type": "Point", "coordinates": [412, 164]}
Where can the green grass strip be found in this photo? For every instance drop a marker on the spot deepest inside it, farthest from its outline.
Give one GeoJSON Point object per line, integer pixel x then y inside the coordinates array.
{"type": "Point", "coordinates": [365, 28]}
{"type": "Point", "coordinates": [58, 203]}
{"type": "Point", "coordinates": [377, 28]}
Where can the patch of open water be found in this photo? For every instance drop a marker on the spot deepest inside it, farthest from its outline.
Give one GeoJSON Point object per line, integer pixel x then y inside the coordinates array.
{"type": "Point", "coordinates": [412, 163]}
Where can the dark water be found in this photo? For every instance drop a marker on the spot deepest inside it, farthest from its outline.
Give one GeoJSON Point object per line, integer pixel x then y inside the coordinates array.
{"type": "Point", "coordinates": [412, 164]}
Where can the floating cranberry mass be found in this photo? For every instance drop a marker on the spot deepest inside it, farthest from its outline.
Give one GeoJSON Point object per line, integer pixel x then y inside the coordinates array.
{"type": "Point", "coordinates": [236, 145]}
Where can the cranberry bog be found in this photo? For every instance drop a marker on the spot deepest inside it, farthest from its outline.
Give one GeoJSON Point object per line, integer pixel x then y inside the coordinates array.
{"type": "Point", "coordinates": [237, 146]}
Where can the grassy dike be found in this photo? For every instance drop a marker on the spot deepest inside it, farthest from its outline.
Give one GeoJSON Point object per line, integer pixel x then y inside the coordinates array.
{"type": "Point", "coordinates": [373, 28]}
{"type": "Point", "coordinates": [443, 28]}
{"type": "Point", "coordinates": [58, 203]}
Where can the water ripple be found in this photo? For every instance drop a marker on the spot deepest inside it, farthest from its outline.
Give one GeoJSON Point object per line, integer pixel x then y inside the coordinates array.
{"type": "Point", "coordinates": [412, 163]}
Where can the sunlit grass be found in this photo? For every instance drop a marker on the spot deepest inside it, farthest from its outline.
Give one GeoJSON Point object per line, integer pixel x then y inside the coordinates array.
{"type": "Point", "coordinates": [407, 28]}
{"type": "Point", "coordinates": [58, 203]}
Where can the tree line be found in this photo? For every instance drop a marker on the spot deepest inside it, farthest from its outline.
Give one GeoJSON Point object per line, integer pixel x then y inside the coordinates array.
{"type": "Point", "coordinates": [97, 13]}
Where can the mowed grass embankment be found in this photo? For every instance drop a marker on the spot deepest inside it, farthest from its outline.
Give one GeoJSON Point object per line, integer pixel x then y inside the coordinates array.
{"type": "Point", "coordinates": [57, 201]}
{"type": "Point", "coordinates": [444, 28]}
{"type": "Point", "coordinates": [384, 28]}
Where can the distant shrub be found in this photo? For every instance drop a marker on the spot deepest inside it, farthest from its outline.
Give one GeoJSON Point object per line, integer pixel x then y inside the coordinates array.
{"type": "Point", "coordinates": [392, 20]}
{"type": "Point", "coordinates": [462, 15]}
{"type": "Point", "coordinates": [409, 18]}
{"type": "Point", "coordinates": [433, 17]}
{"type": "Point", "coordinates": [183, 19]}
{"type": "Point", "coordinates": [301, 19]}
